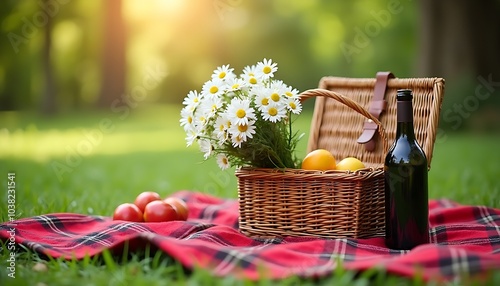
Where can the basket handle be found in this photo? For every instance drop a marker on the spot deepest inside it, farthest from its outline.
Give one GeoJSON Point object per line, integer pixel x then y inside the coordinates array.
{"type": "Point", "coordinates": [349, 103]}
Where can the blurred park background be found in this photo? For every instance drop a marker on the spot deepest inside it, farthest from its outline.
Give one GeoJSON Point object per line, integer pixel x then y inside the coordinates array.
{"type": "Point", "coordinates": [104, 81]}
{"type": "Point", "coordinates": [91, 93]}
{"type": "Point", "coordinates": [60, 55]}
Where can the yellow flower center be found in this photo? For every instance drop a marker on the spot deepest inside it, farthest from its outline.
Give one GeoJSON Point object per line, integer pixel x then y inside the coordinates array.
{"type": "Point", "coordinates": [265, 101]}
{"type": "Point", "coordinates": [222, 75]}
{"type": "Point", "coordinates": [289, 94]}
{"type": "Point", "coordinates": [292, 105]}
{"type": "Point", "coordinates": [190, 119]}
{"type": "Point", "coordinates": [242, 128]}
{"type": "Point", "coordinates": [275, 97]}
{"type": "Point", "coordinates": [252, 80]}
{"type": "Point", "coordinates": [272, 111]}
{"type": "Point", "coordinates": [240, 113]}
{"type": "Point", "coordinates": [214, 89]}
{"type": "Point", "coordinates": [222, 127]}
{"type": "Point", "coordinates": [235, 86]}
{"type": "Point", "coordinates": [196, 100]}
{"type": "Point", "coordinates": [214, 107]}
{"type": "Point", "coordinates": [266, 69]}
{"type": "Point", "coordinates": [224, 161]}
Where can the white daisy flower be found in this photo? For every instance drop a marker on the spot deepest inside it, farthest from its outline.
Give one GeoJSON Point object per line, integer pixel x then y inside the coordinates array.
{"type": "Point", "coordinates": [279, 85]}
{"type": "Point", "coordinates": [262, 96]}
{"type": "Point", "coordinates": [237, 140]}
{"type": "Point", "coordinates": [223, 161]}
{"type": "Point", "coordinates": [291, 92]}
{"type": "Point", "coordinates": [193, 98]}
{"type": "Point", "coordinates": [200, 118]}
{"type": "Point", "coordinates": [244, 131]}
{"type": "Point", "coordinates": [223, 115]}
{"type": "Point", "coordinates": [274, 112]}
{"type": "Point", "coordinates": [234, 84]}
{"type": "Point", "coordinates": [213, 87]}
{"type": "Point", "coordinates": [293, 105]}
{"type": "Point", "coordinates": [211, 105]}
{"type": "Point", "coordinates": [223, 73]}
{"type": "Point", "coordinates": [191, 136]}
{"type": "Point", "coordinates": [240, 112]}
{"type": "Point", "coordinates": [249, 76]}
{"type": "Point", "coordinates": [206, 147]}
{"type": "Point", "coordinates": [222, 125]}
{"type": "Point", "coordinates": [187, 118]}
{"type": "Point", "coordinates": [266, 69]}
{"type": "Point", "coordinates": [249, 71]}
{"type": "Point", "coordinates": [276, 94]}
{"type": "Point", "coordinates": [262, 101]}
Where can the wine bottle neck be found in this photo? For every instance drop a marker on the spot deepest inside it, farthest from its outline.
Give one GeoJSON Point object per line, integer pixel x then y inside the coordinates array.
{"type": "Point", "coordinates": [405, 129]}
{"type": "Point", "coordinates": [405, 119]}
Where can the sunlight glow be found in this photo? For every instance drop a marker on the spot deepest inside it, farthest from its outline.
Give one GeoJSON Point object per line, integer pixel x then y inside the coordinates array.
{"type": "Point", "coordinates": [136, 10]}
{"type": "Point", "coordinates": [42, 146]}
{"type": "Point", "coordinates": [45, 145]}
{"type": "Point", "coordinates": [330, 34]}
{"type": "Point", "coordinates": [66, 36]}
{"type": "Point", "coordinates": [152, 29]}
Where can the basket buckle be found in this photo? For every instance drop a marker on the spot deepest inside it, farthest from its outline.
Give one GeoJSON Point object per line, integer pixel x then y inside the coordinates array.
{"type": "Point", "coordinates": [377, 106]}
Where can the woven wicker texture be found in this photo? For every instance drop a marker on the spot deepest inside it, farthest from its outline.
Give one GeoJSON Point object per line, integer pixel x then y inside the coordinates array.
{"type": "Point", "coordinates": [332, 204]}
{"type": "Point", "coordinates": [336, 127]}
{"type": "Point", "coordinates": [276, 203]}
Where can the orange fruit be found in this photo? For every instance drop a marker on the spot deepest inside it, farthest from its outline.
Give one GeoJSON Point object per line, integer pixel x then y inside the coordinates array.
{"type": "Point", "coordinates": [351, 164]}
{"type": "Point", "coordinates": [319, 159]}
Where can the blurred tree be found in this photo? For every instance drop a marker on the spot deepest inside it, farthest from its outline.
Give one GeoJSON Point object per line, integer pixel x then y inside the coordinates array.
{"type": "Point", "coordinates": [16, 62]}
{"type": "Point", "coordinates": [460, 41]}
{"type": "Point", "coordinates": [460, 37]}
{"type": "Point", "coordinates": [91, 52]}
{"type": "Point", "coordinates": [113, 63]}
{"type": "Point", "coordinates": [49, 92]}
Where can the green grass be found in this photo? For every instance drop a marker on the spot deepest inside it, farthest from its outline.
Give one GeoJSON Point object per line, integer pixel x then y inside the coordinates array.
{"type": "Point", "coordinates": [146, 151]}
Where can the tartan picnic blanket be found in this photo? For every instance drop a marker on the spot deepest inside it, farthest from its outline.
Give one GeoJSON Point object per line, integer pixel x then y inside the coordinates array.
{"type": "Point", "coordinates": [465, 240]}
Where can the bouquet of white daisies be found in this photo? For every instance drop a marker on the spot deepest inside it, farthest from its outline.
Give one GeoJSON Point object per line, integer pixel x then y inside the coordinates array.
{"type": "Point", "coordinates": [244, 120]}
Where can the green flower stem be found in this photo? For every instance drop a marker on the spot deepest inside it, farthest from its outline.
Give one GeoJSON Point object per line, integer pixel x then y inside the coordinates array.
{"type": "Point", "coordinates": [267, 149]}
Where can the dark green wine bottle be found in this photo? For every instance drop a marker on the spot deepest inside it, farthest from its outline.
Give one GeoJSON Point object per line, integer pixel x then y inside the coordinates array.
{"type": "Point", "coordinates": [406, 187]}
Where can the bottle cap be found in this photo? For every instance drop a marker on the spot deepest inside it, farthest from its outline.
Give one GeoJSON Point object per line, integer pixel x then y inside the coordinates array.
{"type": "Point", "coordinates": [404, 95]}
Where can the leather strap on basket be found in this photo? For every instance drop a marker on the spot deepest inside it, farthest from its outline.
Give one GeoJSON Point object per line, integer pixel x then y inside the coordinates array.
{"type": "Point", "coordinates": [377, 106]}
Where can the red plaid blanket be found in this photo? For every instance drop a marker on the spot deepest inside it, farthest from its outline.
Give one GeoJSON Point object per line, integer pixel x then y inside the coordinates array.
{"type": "Point", "coordinates": [464, 240]}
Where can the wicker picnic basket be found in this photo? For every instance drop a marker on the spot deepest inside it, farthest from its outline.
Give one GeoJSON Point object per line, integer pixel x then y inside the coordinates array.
{"type": "Point", "coordinates": [337, 204]}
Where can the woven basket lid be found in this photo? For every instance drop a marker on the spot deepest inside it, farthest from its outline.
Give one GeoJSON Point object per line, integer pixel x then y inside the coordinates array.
{"type": "Point", "coordinates": [336, 127]}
